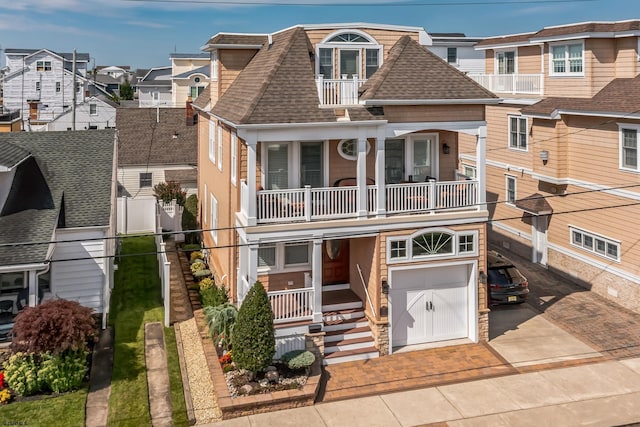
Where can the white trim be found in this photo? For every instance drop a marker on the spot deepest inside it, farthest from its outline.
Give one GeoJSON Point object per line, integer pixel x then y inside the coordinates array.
{"type": "Point", "coordinates": [518, 132]}
{"type": "Point", "coordinates": [353, 157]}
{"type": "Point", "coordinates": [594, 236]}
{"type": "Point", "coordinates": [212, 141]}
{"type": "Point", "coordinates": [219, 148]}
{"type": "Point", "coordinates": [495, 60]}
{"type": "Point", "coordinates": [410, 258]}
{"type": "Point", "coordinates": [234, 158]}
{"type": "Point", "coordinates": [621, 128]}
{"type": "Point", "coordinates": [213, 222]}
{"type": "Point", "coordinates": [280, 266]}
{"type": "Point", "coordinates": [567, 60]}
{"type": "Point", "coordinates": [507, 178]}
{"type": "Point", "coordinates": [430, 101]}
{"type": "Point", "coordinates": [22, 267]}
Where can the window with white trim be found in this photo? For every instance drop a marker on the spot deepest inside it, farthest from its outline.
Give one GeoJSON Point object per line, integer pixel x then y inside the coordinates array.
{"type": "Point", "coordinates": [234, 157]}
{"type": "Point", "coordinates": [506, 62]}
{"type": "Point", "coordinates": [518, 132]}
{"type": "Point", "coordinates": [594, 243]}
{"type": "Point", "coordinates": [146, 179]}
{"type": "Point", "coordinates": [212, 142]}
{"type": "Point", "coordinates": [219, 147]}
{"type": "Point", "coordinates": [511, 189]}
{"type": "Point", "coordinates": [205, 218]}
{"type": "Point", "coordinates": [566, 59]}
{"type": "Point", "coordinates": [195, 91]}
{"type": "Point", "coordinates": [275, 257]}
{"type": "Point", "coordinates": [469, 171]}
{"type": "Point", "coordinates": [629, 147]}
{"type": "Point", "coordinates": [213, 219]}
{"type": "Point", "coordinates": [436, 243]}
{"type": "Point", "coordinates": [37, 86]}
{"type": "Point", "coordinates": [93, 109]}
{"type": "Point", "coordinates": [452, 55]}
{"type": "Point", "coordinates": [57, 87]}
{"type": "Point", "coordinates": [347, 54]}
{"type": "Point", "coordinates": [43, 66]}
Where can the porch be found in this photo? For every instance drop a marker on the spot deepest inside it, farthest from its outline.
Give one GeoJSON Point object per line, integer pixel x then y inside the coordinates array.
{"type": "Point", "coordinates": [325, 203]}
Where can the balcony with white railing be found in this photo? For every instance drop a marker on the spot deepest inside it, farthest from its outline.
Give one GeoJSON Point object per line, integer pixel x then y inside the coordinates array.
{"type": "Point", "coordinates": [292, 305]}
{"type": "Point", "coordinates": [338, 92]}
{"type": "Point", "coordinates": [327, 203]}
{"type": "Point", "coordinates": [514, 84]}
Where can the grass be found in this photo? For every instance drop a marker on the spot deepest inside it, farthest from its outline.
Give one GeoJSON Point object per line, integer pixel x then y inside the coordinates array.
{"type": "Point", "coordinates": [136, 300]}
{"type": "Point", "coordinates": [63, 410]}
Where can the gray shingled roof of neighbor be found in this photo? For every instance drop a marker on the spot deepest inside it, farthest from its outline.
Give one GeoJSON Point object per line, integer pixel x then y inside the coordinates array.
{"type": "Point", "coordinates": [205, 69]}
{"type": "Point", "coordinates": [277, 86]}
{"type": "Point", "coordinates": [620, 96]}
{"type": "Point", "coordinates": [11, 154]}
{"type": "Point", "coordinates": [203, 99]}
{"type": "Point", "coordinates": [69, 174]}
{"type": "Point", "coordinates": [238, 39]}
{"type": "Point", "coordinates": [411, 72]}
{"type": "Point", "coordinates": [143, 140]}
{"type": "Point", "coordinates": [84, 57]}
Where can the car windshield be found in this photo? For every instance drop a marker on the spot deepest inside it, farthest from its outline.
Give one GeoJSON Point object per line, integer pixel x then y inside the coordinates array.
{"type": "Point", "coordinates": [503, 275]}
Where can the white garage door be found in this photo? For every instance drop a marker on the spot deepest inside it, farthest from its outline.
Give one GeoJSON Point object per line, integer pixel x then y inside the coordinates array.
{"type": "Point", "coordinates": [429, 304]}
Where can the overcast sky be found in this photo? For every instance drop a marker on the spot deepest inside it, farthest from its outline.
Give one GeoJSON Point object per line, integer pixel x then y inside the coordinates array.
{"type": "Point", "coordinates": [142, 33]}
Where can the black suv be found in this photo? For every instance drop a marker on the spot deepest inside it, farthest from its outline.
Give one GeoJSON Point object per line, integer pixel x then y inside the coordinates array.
{"type": "Point", "coordinates": [506, 284]}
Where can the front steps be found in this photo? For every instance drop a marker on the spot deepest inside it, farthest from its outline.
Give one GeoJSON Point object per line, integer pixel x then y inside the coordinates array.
{"type": "Point", "coordinates": [348, 335]}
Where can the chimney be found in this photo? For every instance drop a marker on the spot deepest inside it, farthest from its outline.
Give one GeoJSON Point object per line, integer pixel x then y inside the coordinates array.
{"type": "Point", "coordinates": [189, 112]}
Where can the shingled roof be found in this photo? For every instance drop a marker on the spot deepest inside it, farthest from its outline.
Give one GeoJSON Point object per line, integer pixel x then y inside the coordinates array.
{"type": "Point", "coordinates": [506, 40]}
{"type": "Point", "coordinates": [411, 72]}
{"type": "Point", "coordinates": [11, 154]}
{"type": "Point", "coordinates": [144, 139]}
{"type": "Point", "coordinates": [237, 39]}
{"type": "Point", "coordinates": [55, 182]}
{"type": "Point", "coordinates": [621, 96]}
{"type": "Point", "coordinates": [203, 99]}
{"type": "Point", "coordinates": [277, 86]}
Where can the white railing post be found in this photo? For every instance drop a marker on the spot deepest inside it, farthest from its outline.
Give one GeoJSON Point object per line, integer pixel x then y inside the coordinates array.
{"type": "Point", "coordinates": [431, 200]}
{"type": "Point", "coordinates": [316, 279]}
{"type": "Point", "coordinates": [320, 88]}
{"type": "Point", "coordinates": [307, 202]}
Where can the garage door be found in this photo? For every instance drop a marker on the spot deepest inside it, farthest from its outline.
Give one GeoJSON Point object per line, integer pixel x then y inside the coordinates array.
{"type": "Point", "coordinates": [429, 304]}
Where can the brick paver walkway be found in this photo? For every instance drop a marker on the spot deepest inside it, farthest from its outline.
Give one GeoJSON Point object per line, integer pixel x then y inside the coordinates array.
{"type": "Point", "coordinates": [180, 305]}
{"type": "Point", "coordinates": [602, 324]}
{"type": "Point", "coordinates": [411, 370]}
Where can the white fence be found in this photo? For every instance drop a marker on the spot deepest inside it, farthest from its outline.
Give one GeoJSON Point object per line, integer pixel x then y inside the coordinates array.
{"type": "Point", "coordinates": [288, 343]}
{"type": "Point", "coordinates": [136, 215]}
{"type": "Point", "coordinates": [170, 215]}
{"type": "Point", "coordinates": [164, 270]}
{"type": "Point", "coordinates": [291, 305]}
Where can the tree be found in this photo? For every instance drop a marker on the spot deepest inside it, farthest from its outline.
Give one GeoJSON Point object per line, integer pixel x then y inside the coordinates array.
{"type": "Point", "coordinates": [253, 339]}
{"type": "Point", "coordinates": [167, 191]}
{"type": "Point", "coordinates": [189, 218]}
{"type": "Point", "coordinates": [126, 90]}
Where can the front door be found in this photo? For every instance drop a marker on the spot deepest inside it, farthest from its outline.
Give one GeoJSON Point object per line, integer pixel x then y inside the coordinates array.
{"type": "Point", "coordinates": [539, 232]}
{"type": "Point", "coordinates": [335, 262]}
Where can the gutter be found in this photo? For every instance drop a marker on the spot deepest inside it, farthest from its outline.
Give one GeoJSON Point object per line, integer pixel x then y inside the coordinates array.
{"type": "Point", "coordinates": [372, 102]}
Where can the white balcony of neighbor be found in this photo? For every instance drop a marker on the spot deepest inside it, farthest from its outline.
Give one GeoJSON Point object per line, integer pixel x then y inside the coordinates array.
{"type": "Point", "coordinates": [515, 84]}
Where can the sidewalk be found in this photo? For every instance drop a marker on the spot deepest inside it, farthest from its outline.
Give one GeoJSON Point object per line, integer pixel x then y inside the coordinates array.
{"type": "Point", "coordinates": [600, 394]}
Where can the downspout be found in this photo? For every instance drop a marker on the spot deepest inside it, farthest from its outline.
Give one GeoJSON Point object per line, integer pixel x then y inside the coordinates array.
{"type": "Point", "coordinates": [38, 274]}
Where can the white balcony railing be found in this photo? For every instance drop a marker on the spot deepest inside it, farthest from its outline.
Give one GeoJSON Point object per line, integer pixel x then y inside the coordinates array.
{"type": "Point", "coordinates": [333, 92]}
{"type": "Point", "coordinates": [291, 305]}
{"type": "Point", "coordinates": [525, 84]}
{"type": "Point", "coordinates": [308, 204]}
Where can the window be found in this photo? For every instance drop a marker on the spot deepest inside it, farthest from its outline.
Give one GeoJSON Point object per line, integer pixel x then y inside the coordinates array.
{"type": "Point", "coordinates": [348, 149]}
{"type": "Point", "coordinates": [348, 54]}
{"type": "Point", "coordinates": [567, 59]}
{"type": "Point", "coordinates": [326, 62]}
{"type": "Point", "coordinates": [38, 86]}
{"type": "Point", "coordinates": [284, 256]}
{"type": "Point", "coordinates": [511, 190]}
{"type": "Point", "coordinates": [434, 243]}
{"type": "Point", "coordinates": [78, 87]}
{"type": "Point", "coordinates": [506, 62]}
{"type": "Point", "coordinates": [311, 164]}
{"type": "Point", "coordinates": [372, 62]}
{"type": "Point", "coordinates": [93, 109]}
{"type": "Point", "coordinates": [518, 132]}
{"type": "Point", "coordinates": [234, 158]}
{"type": "Point", "coordinates": [277, 166]}
{"type": "Point", "coordinates": [452, 55]}
{"type": "Point", "coordinates": [469, 171]}
{"type": "Point", "coordinates": [57, 87]}
{"type": "Point", "coordinates": [212, 142]}
{"type": "Point", "coordinates": [43, 65]}
{"type": "Point", "coordinates": [195, 91]}
{"type": "Point", "coordinates": [146, 179]}
{"type": "Point", "coordinates": [220, 148]}
{"type": "Point", "coordinates": [629, 147]}
{"type": "Point", "coordinates": [594, 243]}
{"type": "Point", "coordinates": [155, 96]}
{"type": "Point", "coordinates": [213, 218]}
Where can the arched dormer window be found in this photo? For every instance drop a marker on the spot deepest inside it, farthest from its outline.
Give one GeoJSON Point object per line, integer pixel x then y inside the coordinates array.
{"type": "Point", "coordinates": [347, 54]}
{"type": "Point", "coordinates": [433, 243]}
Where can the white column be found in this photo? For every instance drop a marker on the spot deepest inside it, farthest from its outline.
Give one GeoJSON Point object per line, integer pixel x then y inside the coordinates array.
{"type": "Point", "coordinates": [380, 174]}
{"type": "Point", "coordinates": [251, 178]}
{"type": "Point", "coordinates": [316, 279]}
{"type": "Point", "coordinates": [252, 267]}
{"type": "Point", "coordinates": [243, 260]}
{"type": "Point", "coordinates": [362, 175]}
{"type": "Point", "coordinates": [32, 277]}
{"type": "Point", "coordinates": [481, 166]}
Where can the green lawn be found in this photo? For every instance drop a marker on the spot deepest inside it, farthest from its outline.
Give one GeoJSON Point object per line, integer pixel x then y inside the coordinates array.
{"type": "Point", "coordinates": [65, 410]}
{"type": "Point", "coordinates": [135, 301]}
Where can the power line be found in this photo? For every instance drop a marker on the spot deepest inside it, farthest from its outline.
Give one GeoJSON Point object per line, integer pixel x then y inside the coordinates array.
{"type": "Point", "coordinates": [347, 4]}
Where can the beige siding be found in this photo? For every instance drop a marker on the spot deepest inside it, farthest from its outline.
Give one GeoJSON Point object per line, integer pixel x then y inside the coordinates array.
{"type": "Point", "coordinates": [626, 57]}
{"type": "Point", "coordinates": [386, 38]}
{"type": "Point", "coordinates": [231, 63]}
{"type": "Point", "coordinates": [529, 61]}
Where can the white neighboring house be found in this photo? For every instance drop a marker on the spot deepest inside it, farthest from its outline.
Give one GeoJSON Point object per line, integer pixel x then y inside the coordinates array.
{"type": "Point", "coordinates": [458, 50]}
{"type": "Point", "coordinates": [190, 75]}
{"type": "Point", "coordinates": [154, 146]}
{"type": "Point", "coordinates": [154, 90]}
{"type": "Point", "coordinates": [95, 113]}
{"type": "Point", "coordinates": [39, 82]}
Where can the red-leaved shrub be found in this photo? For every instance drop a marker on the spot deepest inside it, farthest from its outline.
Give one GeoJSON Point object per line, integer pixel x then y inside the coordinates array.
{"type": "Point", "coordinates": [54, 326]}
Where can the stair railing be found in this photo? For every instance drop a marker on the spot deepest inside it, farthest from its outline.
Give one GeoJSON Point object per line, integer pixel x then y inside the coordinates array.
{"type": "Point", "coordinates": [366, 291]}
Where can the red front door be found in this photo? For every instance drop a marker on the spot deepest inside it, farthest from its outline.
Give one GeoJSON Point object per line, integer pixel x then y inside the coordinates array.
{"type": "Point", "coordinates": [335, 262]}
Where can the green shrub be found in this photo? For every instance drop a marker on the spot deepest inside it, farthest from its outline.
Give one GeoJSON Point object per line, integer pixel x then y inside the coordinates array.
{"type": "Point", "coordinates": [202, 273]}
{"type": "Point", "coordinates": [221, 321]}
{"type": "Point", "coordinates": [195, 256]}
{"type": "Point", "coordinates": [214, 296]}
{"type": "Point", "coordinates": [189, 218]}
{"type": "Point", "coordinates": [253, 337]}
{"type": "Point", "coordinates": [197, 266]}
{"type": "Point", "coordinates": [191, 247]}
{"type": "Point", "coordinates": [55, 326]}
{"type": "Point", "coordinates": [167, 191]}
{"type": "Point", "coordinates": [206, 283]}
{"type": "Point", "coordinates": [62, 373]}
{"type": "Point", "coordinates": [298, 359]}
{"type": "Point", "coordinates": [21, 373]}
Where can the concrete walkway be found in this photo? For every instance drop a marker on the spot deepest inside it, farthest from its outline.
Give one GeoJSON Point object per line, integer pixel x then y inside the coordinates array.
{"type": "Point", "coordinates": [600, 394]}
{"type": "Point", "coordinates": [97, 406]}
{"type": "Point", "coordinates": [155, 357]}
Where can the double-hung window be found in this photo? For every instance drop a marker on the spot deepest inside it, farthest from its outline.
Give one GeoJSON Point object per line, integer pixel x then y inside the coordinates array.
{"type": "Point", "coordinates": [326, 62]}
{"type": "Point", "coordinates": [146, 179]}
{"type": "Point", "coordinates": [629, 147]}
{"type": "Point", "coordinates": [510, 190]}
{"type": "Point", "coordinates": [213, 219]}
{"type": "Point", "coordinates": [43, 65]}
{"type": "Point", "coordinates": [567, 59]}
{"type": "Point", "coordinates": [212, 142]}
{"type": "Point", "coordinates": [219, 147]}
{"type": "Point", "coordinates": [518, 132]}
{"type": "Point", "coordinates": [93, 109]}
{"type": "Point", "coordinates": [452, 55]}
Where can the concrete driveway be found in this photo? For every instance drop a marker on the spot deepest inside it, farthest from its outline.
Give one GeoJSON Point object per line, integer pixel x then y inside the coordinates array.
{"type": "Point", "coordinates": [523, 337]}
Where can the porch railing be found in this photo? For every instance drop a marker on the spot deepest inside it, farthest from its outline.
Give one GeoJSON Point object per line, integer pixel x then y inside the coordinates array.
{"type": "Point", "coordinates": [342, 91]}
{"type": "Point", "coordinates": [292, 305]}
{"type": "Point", "coordinates": [308, 204]}
{"type": "Point", "coordinates": [529, 84]}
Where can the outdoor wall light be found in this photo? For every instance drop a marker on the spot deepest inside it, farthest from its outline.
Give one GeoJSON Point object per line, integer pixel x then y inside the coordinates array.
{"type": "Point", "coordinates": [385, 287]}
{"type": "Point", "coordinates": [445, 148]}
{"type": "Point", "coordinates": [544, 156]}
{"type": "Point", "coordinates": [483, 277]}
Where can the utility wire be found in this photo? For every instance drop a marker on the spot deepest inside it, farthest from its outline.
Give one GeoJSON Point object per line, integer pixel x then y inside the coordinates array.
{"type": "Point", "coordinates": [352, 4]}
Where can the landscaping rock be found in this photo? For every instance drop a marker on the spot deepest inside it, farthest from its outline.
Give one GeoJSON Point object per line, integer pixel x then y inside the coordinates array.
{"type": "Point", "coordinates": [246, 389]}
{"type": "Point", "coordinates": [272, 376]}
